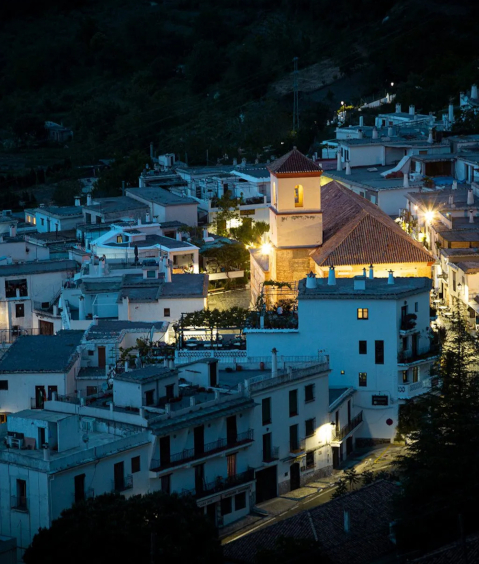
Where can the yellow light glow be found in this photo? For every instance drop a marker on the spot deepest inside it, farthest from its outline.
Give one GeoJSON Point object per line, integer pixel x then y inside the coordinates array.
{"type": "Point", "coordinates": [266, 248]}
{"type": "Point", "coordinates": [429, 216]}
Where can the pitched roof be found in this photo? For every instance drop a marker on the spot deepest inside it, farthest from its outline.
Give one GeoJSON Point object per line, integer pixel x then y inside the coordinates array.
{"type": "Point", "coordinates": [356, 231]}
{"type": "Point", "coordinates": [293, 162]}
{"type": "Point", "coordinates": [42, 353]}
{"type": "Point", "coordinates": [453, 553]}
{"type": "Point", "coordinates": [369, 516]}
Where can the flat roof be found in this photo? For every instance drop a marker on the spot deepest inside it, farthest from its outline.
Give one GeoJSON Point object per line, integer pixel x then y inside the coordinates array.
{"type": "Point", "coordinates": [61, 211]}
{"type": "Point", "coordinates": [375, 289]}
{"type": "Point", "coordinates": [114, 328]}
{"type": "Point", "coordinates": [151, 240]}
{"type": "Point", "coordinates": [161, 196]}
{"type": "Point", "coordinates": [118, 204]}
{"type": "Point", "coordinates": [137, 289]}
{"type": "Point", "coordinates": [146, 374]}
{"type": "Point", "coordinates": [370, 177]}
{"type": "Point", "coordinates": [37, 267]}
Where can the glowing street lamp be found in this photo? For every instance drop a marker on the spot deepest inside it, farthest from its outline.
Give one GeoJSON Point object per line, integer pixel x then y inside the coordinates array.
{"type": "Point", "coordinates": [266, 248]}
{"type": "Point", "coordinates": [429, 216]}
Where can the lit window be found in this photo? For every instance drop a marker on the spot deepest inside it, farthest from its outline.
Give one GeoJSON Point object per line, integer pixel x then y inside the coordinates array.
{"type": "Point", "coordinates": [119, 238]}
{"type": "Point", "coordinates": [415, 374]}
{"type": "Point", "coordinates": [363, 379]}
{"type": "Point", "coordinates": [363, 313]}
{"type": "Point", "coordinates": [298, 196]}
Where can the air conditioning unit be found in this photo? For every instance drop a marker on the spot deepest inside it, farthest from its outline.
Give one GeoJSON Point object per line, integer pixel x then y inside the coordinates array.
{"type": "Point", "coordinates": [87, 424]}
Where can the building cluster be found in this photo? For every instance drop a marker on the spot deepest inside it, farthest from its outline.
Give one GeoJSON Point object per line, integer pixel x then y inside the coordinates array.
{"type": "Point", "coordinates": [103, 388]}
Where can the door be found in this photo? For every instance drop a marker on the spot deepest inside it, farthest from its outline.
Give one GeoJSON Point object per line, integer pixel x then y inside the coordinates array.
{"type": "Point", "coordinates": [199, 478]}
{"type": "Point", "coordinates": [294, 476]}
{"type": "Point", "coordinates": [213, 374]}
{"type": "Point", "coordinates": [293, 438]}
{"type": "Point", "coordinates": [165, 451]}
{"type": "Point", "coordinates": [199, 438]}
{"type": "Point", "coordinates": [211, 512]}
{"type": "Point", "coordinates": [51, 391]}
{"type": "Point", "coordinates": [101, 357]}
{"type": "Point", "coordinates": [414, 345]}
{"type": "Point", "coordinates": [266, 481]}
{"type": "Point", "coordinates": [335, 457]}
{"type": "Point", "coordinates": [39, 397]}
{"type": "Point", "coordinates": [46, 328]}
{"type": "Point", "coordinates": [79, 488]}
{"type": "Point", "coordinates": [231, 465]}
{"type": "Point", "coordinates": [119, 476]}
{"type": "Point", "coordinates": [41, 437]}
{"type": "Point", "coordinates": [267, 447]}
{"type": "Point", "coordinates": [349, 446]}
{"type": "Point", "coordinates": [231, 431]}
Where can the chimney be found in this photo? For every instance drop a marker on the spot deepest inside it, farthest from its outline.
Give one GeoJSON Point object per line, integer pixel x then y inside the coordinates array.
{"type": "Point", "coordinates": [360, 281]}
{"type": "Point", "coordinates": [55, 310]}
{"type": "Point", "coordinates": [375, 132]}
{"type": "Point", "coordinates": [311, 280]}
{"type": "Point", "coordinates": [450, 200]}
{"type": "Point", "coordinates": [147, 217]}
{"type": "Point", "coordinates": [205, 233]}
{"type": "Point", "coordinates": [360, 134]}
{"type": "Point", "coordinates": [361, 121]}
{"type": "Point", "coordinates": [13, 230]}
{"type": "Point", "coordinates": [348, 168]}
{"type": "Point", "coordinates": [274, 363]}
{"type": "Point", "coordinates": [77, 201]}
{"type": "Point", "coordinates": [430, 139]}
{"type": "Point", "coordinates": [81, 308]}
{"type": "Point", "coordinates": [364, 272]}
{"type": "Point", "coordinates": [454, 184]}
{"type": "Point", "coordinates": [171, 363]}
{"type": "Point", "coordinates": [451, 113]}
{"type": "Point", "coordinates": [17, 293]}
{"type": "Point", "coordinates": [95, 319]}
{"type": "Point", "coordinates": [398, 108]}
{"type": "Point", "coordinates": [179, 236]}
{"type": "Point", "coordinates": [88, 200]}
{"type": "Point", "coordinates": [470, 197]}
{"type": "Point", "coordinates": [167, 268]}
{"type": "Point", "coordinates": [339, 165]}
{"type": "Point", "coordinates": [412, 110]}
{"type": "Point", "coordinates": [471, 216]}
{"type": "Point", "coordinates": [139, 221]}
{"type": "Point", "coordinates": [405, 181]}
{"type": "Point", "coordinates": [331, 277]}
{"type": "Point", "coordinates": [46, 453]}
{"type": "Point", "coordinates": [390, 131]}
{"type": "Point", "coordinates": [346, 521]}
{"type": "Point", "coordinates": [474, 91]}
{"type": "Point", "coordinates": [391, 277]}
{"type": "Point", "coordinates": [371, 272]}
{"type": "Point", "coordinates": [127, 366]}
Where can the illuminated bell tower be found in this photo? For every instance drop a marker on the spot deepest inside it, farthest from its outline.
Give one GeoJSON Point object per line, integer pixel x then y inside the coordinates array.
{"type": "Point", "coordinates": [296, 219]}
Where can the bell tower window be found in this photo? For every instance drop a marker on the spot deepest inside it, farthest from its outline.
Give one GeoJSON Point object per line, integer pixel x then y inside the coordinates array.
{"type": "Point", "coordinates": [298, 196]}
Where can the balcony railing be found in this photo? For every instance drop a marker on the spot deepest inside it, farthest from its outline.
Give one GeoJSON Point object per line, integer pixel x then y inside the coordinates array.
{"type": "Point", "coordinates": [299, 446]}
{"type": "Point", "coordinates": [87, 494]}
{"type": "Point", "coordinates": [19, 503]}
{"type": "Point", "coordinates": [122, 485]}
{"type": "Point", "coordinates": [271, 454]}
{"type": "Point", "coordinates": [407, 391]}
{"type": "Point", "coordinates": [208, 450]}
{"type": "Point", "coordinates": [221, 484]}
{"type": "Point", "coordinates": [406, 357]}
{"type": "Point", "coordinates": [343, 432]}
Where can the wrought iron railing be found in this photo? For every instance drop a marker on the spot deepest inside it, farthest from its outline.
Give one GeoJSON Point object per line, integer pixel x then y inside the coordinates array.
{"type": "Point", "coordinates": [121, 485]}
{"type": "Point", "coordinates": [344, 431]}
{"type": "Point", "coordinates": [208, 449]}
{"type": "Point", "coordinates": [221, 484]}
{"type": "Point", "coordinates": [419, 354]}
{"type": "Point", "coordinates": [271, 454]}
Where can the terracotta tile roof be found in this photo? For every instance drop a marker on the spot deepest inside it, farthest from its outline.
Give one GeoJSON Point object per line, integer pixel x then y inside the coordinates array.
{"type": "Point", "coordinates": [293, 162]}
{"type": "Point", "coordinates": [356, 231]}
{"type": "Point", "coordinates": [453, 553]}
{"type": "Point", "coordinates": [369, 516]}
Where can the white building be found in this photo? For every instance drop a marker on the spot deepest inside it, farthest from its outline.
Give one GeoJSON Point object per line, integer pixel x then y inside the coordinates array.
{"type": "Point", "coordinates": [177, 430]}
{"type": "Point", "coordinates": [376, 332]}
{"type": "Point", "coordinates": [166, 206]}
{"type": "Point", "coordinates": [57, 218]}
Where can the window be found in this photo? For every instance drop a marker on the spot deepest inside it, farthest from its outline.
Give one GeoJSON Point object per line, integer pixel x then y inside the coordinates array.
{"type": "Point", "coordinates": [43, 221]}
{"type": "Point", "coordinates": [309, 427]}
{"type": "Point", "coordinates": [266, 411]}
{"type": "Point", "coordinates": [3, 384]}
{"type": "Point", "coordinates": [309, 393]}
{"type": "Point", "coordinates": [310, 460]}
{"type": "Point", "coordinates": [240, 501]}
{"type": "Point", "coordinates": [19, 310]}
{"type": "Point", "coordinates": [21, 501]}
{"type": "Point", "coordinates": [293, 403]}
{"type": "Point", "coordinates": [231, 465]}
{"type": "Point", "coordinates": [166, 312]}
{"type": "Point", "coordinates": [298, 196]}
{"type": "Point", "coordinates": [91, 353]}
{"type": "Point", "coordinates": [135, 464]}
{"type": "Point", "coordinates": [150, 397]}
{"type": "Point", "coordinates": [293, 438]}
{"type": "Point", "coordinates": [379, 352]}
{"type": "Point", "coordinates": [363, 313]}
{"type": "Point", "coordinates": [79, 482]}
{"type": "Point", "coordinates": [11, 287]}
{"type": "Point", "coordinates": [226, 505]}
{"type": "Point", "coordinates": [363, 347]}
{"type": "Point", "coordinates": [363, 379]}
{"type": "Point", "coordinates": [119, 238]}
{"type": "Point", "coordinates": [415, 374]}
{"type": "Point", "coordinates": [166, 484]}
{"type": "Point", "coordinates": [405, 377]}
{"type": "Point", "coordinates": [170, 392]}
{"type": "Point", "coordinates": [416, 307]}
{"type": "Point", "coordinates": [150, 274]}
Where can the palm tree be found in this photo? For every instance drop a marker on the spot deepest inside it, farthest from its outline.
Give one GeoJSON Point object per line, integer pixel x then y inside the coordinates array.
{"type": "Point", "coordinates": [352, 477]}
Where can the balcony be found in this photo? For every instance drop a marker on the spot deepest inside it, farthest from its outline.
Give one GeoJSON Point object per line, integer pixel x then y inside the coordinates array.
{"type": "Point", "coordinates": [19, 503]}
{"type": "Point", "coordinates": [271, 454]}
{"type": "Point", "coordinates": [408, 391]}
{"type": "Point", "coordinates": [298, 448]}
{"type": "Point", "coordinates": [405, 358]}
{"type": "Point", "coordinates": [340, 435]}
{"type": "Point", "coordinates": [222, 484]}
{"type": "Point", "coordinates": [209, 449]}
{"type": "Point", "coordinates": [122, 485]}
{"type": "Point", "coordinates": [408, 325]}
{"type": "Point", "coordinates": [87, 494]}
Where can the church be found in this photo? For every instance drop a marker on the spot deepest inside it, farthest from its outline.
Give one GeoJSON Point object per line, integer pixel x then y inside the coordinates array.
{"type": "Point", "coordinates": [314, 228]}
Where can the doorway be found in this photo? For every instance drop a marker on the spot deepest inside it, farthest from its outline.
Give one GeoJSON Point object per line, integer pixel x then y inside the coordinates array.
{"type": "Point", "coordinates": [199, 440]}
{"type": "Point", "coordinates": [335, 457]}
{"type": "Point", "coordinates": [46, 328]}
{"type": "Point", "coordinates": [40, 397]}
{"type": "Point", "coordinates": [101, 357]}
{"type": "Point", "coordinates": [119, 476]}
{"type": "Point", "coordinates": [266, 483]}
{"type": "Point", "coordinates": [294, 476]}
{"type": "Point", "coordinates": [165, 450]}
{"type": "Point", "coordinates": [231, 431]}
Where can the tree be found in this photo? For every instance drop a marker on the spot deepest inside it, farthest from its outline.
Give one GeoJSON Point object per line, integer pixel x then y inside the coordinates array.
{"type": "Point", "coordinates": [250, 233]}
{"type": "Point", "coordinates": [65, 192]}
{"type": "Point", "coordinates": [442, 461]}
{"type": "Point", "coordinates": [122, 169]}
{"type": "Point", "coordinates": [341, 489]}
{"type": "Point", "coordinates": [352, 477]}
{"type": "Point", "coordinates": [227, 210]}
{"type": "Point", "coordinates": [152, 528]}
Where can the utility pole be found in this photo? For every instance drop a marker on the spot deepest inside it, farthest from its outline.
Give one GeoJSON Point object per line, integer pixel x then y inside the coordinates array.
{"type": "Point", "coordinates": [295, 97]}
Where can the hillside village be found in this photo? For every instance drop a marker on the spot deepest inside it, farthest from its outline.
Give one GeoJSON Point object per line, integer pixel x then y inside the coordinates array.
{"type": "Point", "coordinates": [117, 374]}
